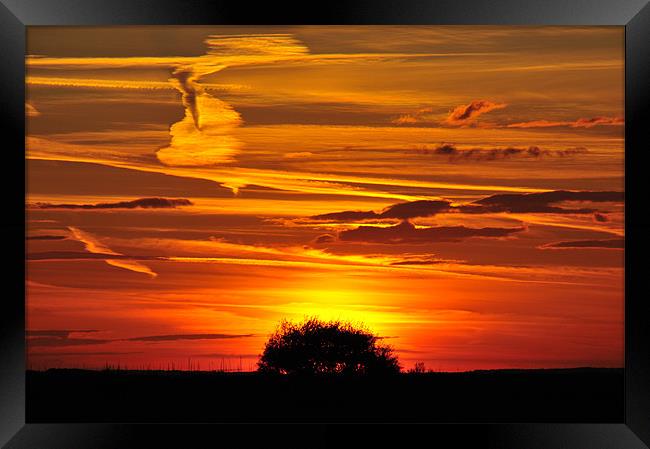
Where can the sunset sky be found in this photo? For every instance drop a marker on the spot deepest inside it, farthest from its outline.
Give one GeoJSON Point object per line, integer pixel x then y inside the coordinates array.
{"type": "Point", "coordinates": [459, 190]}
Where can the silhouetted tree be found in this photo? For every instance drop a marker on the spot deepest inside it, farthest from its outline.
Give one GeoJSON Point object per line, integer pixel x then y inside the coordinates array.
{"type": "Point", "coordinates": [326, 347]}
{"type": "Point", "coordinates": [418, 368]}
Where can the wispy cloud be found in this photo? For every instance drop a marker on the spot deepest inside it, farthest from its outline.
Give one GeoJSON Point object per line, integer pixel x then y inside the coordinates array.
{"type": "Point", "coordinates": [93, 245]}
{"type": "Point", "coordinates": [579, 123]}
{"type": "Point", "coordinates": [46, 237]}
{"type": "Point", "coordinates": [298, 155]}
{"type": "Point", "coordinates": [424, 260]}
{"type": "Point", "coordinates": [78, 255]}
{"type": "Point", "coordinates": [122, 84]}
{"type": "Point", "coordinates": [31, 111]}
{"type": "Point", "coordinates": [143, 203]}
{"type": "Point", "coordinates": [295, 181]}
{"type": "Point", "coordinates": [81, 353]}
{"type": "Point", "coordinates": [176, 337]}
{"type": "Point", "coordinates": [62, 338]}
{"type": "Point", "coordinates": [419, 116]}
{"type": "Point", "coordinates": [61, 342]}
{"type": "Point", "coordinates": [492, 154]}
{"type": "Point", "coordinates": [461, 115]}
{"type": "Point", "coordinates": [465, 114]}
{"type": "Point", "coordinates": [204, 136]}
{"type": "Point", "coordinates": [59, 333]}
{"type": "Point", "coordinates": [587, 244]}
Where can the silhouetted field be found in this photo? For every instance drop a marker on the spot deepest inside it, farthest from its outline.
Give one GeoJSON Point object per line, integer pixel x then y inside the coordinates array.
{"type": "Point", "coordinates": [562, 395]}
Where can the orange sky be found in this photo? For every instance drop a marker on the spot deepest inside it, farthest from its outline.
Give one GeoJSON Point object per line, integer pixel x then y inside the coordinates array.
{"type": "Point", "coordinates": [456, 189]}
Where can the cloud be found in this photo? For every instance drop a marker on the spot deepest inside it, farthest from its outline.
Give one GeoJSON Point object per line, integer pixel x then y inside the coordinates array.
{"type": "Point", "coordinates": [407, 119]}
{"type": "Point", "coordinates": [411, 209]}
{"type": "Point", "coordinates": [91, 244]}
{"type": "Point", "coordinates": [61, 337]}
{"type": "Point", "coordinates": [204, 136]}
{"type": "Point", "coordinates": [298, 155]}
{"type": "Point", "coordinates": [120, 84]}
{"type": "Point", "coordinates": [464, 114]}
{"type": "Point", "coordinates": [58, 333]}
{"type": "Point", "coordinates": [46, 237]}
{"type": "Point", "coordinates": [587, 244]}
{"type": "Point", "coordinates": [601, 218]}
{"type": "Point", "coordinates": [77, 255]}
{"type": "Point", "coordinates": [31, 111]}
{"type": "Point", "coordinates": [81, 354]}
{"type": "Point", "coordinates": [58, 338]}
{"type": "Point", "coordinates": [491, 154]}
{"type": "Point", "coordinates": [58, 342]}
{"type": "Point", "coordinates": [538, 202]}
{"type": "Point", "coordinates": [289, 180]}
{"type": "Point", "coordinates": [348, 215]}
{"type": "Point", "coordinates": [94, 246]}
{"type": "Point", "coordinates": [541, 202]}
{"type": "Point", "coordinates": [419, 116]}
{"type": "Point", "coordinates": [579, 123]}
{"type": "Point", "coordinates": [598, 121]}
{"type": "Point", "coordinates": [423, 260]}
{"type": "Point", "coordinates": [176, 337]}
{"type": "Point", "coordinates": [459, 116]}
{"type": "Point", "coordinates": [325, 238]}
{"type": "Point", "coordinates": [406, 232]}
{"type": "Point", "coordinates": [144, 203]}
{"type": "Point", "coordinates": [65, 341]}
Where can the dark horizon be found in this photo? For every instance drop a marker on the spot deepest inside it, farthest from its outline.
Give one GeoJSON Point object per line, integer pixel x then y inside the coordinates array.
{"type": "Point", "coordinates": [126, 369]}
{"type": "Point", "coordinates": [540, 395]}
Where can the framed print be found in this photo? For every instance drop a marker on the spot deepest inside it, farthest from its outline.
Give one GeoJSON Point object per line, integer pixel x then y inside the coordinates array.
{"type": "Point", "coordinates": [267, 226]}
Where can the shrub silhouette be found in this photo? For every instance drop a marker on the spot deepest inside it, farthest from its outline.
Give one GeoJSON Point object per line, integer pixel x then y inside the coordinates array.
{"type": "Point", "coordinates": [315, 347]}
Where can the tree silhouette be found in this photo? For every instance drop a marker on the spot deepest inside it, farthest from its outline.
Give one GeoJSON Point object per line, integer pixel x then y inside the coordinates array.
{"type": "Point", "coordinates": [326, 347]}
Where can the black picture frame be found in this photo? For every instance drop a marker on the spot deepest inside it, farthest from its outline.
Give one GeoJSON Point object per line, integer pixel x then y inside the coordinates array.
{"type": "Point", "coordinates": [16, 15]}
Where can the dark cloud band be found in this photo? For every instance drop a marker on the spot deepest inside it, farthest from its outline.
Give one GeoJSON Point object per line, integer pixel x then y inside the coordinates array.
{"type": "Point", "coordinates": [46, 237]}
{"type": "Point", "coordinates": [544, 202]}
{"type": "Point", "coordinates": [420, 208]}
{"type": "Point", "coordinates": [143, 203]}
{"type": "Point", "coordinates": [58, 333]}
{"type": "Point", "coordinates": [406, 232]}
{"type": "Point", "coordinates": [189, 337]}
{"type": "Point", "coordinates": [61, 338]}
{"type": "Point", "coordinates": [456, 154]}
